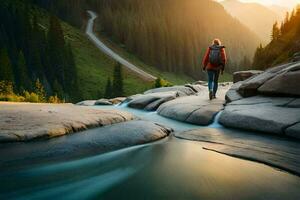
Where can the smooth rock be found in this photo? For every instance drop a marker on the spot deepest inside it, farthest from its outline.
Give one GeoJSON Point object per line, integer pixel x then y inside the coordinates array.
{"type": "Point", "coordinates": [26, 121]}
{"type": "Point", "coordinates": [192, 109]}
{"type": "Point", "coordinates": [196, 87]}
{"type": "Point", "coordinates": [263, 117]}
{"type": "Point", "coordinates": [182, 89]}
{"type": "Point", "coordinates": [154, 105]}
{"type": "Point", "coordinates": [104, 102]}
{"type": "Point", "coordinates": [272, 150]}
{"type": "Point", "coordinates": [86, 103]}
{"type": "Point", "coordinates": [232, 95]}
{"type": "Point", "coordinates": [294, 104]}
{"type": "Point", "coordinates": [271, 101]}
{"type": "Point", "coordinates": [293, 131]}
{"type": "Point", "coordinates": [117, 100]}
{"type": "Point", "coordinates": [250, 86]}
{"type": "Point", "coordinates": [244, 75]}
{"type": "Point", "coordinates": [283, 84]}
{"type": "Point", "coordinates": [151, 101]}
{"type": "Point", "coordinates": [86, 143]}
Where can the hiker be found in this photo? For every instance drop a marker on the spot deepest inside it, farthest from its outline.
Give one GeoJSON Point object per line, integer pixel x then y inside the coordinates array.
{"type": "Point", "coordinates": [214, 63]}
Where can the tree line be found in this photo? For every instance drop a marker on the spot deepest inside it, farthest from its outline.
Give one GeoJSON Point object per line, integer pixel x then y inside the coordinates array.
{"type": "Point", "coordinates": [29, 51]}
{"type": "Point", "coordinates": [285, 40]}
{"type": "Point", "coordinates": [173, 35]}
{"type": "Point", "coordinates": [72, 12]}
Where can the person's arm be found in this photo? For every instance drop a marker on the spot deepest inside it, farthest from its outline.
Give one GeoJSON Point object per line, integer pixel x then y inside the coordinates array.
{"type": "Point", "coordinates": [224, 59]}
{"type": "Point", "coordinates": [205, 59]}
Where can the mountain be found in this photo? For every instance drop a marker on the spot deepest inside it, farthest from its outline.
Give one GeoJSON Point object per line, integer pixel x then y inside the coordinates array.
{"type": "Point", "coordinates": [284, 44]}
{"type": "Point", "coordinates": [280, 10]}
{"type": "Point", "coordinates": [173, 35]}
{"type": "Point", "coordinates": [257, 17]}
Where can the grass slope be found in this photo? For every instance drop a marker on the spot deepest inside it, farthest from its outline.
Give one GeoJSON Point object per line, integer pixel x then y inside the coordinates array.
{"type": "Point", "coordinates": [93, 66]}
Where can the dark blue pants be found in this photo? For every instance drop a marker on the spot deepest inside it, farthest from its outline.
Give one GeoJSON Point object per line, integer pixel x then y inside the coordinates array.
{"type": "Point", "coordinates": [213, 78]}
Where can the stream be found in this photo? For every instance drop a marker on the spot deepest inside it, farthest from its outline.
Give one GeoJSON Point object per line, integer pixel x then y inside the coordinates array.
{"type": "Point", "coordinates": [168, 169]}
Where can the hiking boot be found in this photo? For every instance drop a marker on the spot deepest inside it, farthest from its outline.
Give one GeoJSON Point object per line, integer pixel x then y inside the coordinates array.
{"type": "Point", "coordinates": [211, 95]}
{"type": "Point", "coordinates": [214, 96]}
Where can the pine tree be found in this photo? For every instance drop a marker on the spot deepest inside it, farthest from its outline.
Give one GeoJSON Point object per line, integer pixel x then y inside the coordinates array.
{"type": "Point", "coordinates": [57, 89]}
{"type": "Point", "coordinates": [40, 91]}
{"type": "Point", "coordinates": [6, 72]}
{"type": "Point", "coordinates": [70, 71]}
{"type": "Point", "coordinates": [23, 81]}
{"type": "Point", "coordinates": [118, 81]}
{"type": "Point", "coordinates": [275, 31]}
{"type": "Point", "coordinates": [108, 89]}
{"type": "Point", "coordinates": [56, 50]}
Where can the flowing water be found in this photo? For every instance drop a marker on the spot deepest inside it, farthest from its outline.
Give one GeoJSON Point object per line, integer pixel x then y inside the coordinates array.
{"type": "Point", "coordinates": [167, 169]}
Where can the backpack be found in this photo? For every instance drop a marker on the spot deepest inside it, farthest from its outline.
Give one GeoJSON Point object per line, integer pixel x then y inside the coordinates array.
{"type": "Point", "coordinates": [215, 57]}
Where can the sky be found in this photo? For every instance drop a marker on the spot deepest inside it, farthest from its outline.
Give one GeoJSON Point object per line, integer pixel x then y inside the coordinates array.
{"type": "Point", "coordinates": [285, 3]}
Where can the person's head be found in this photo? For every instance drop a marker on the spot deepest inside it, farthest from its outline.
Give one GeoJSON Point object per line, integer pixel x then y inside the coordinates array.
{"type": "Point", "coordinates": [216, 42]}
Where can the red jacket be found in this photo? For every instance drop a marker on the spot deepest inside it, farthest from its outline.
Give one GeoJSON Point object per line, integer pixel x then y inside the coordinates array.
{"type": "Point", "coordinates": [209, 66]}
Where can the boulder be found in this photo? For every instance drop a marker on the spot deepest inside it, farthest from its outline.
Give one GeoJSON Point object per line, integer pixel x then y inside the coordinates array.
{"type": "Point", "coordinates": [192, 109]}
{"type": "Point", "coordinates": [151, 101]}
{"type": "Point", "coordinates": [287, 83]}
{"type": "Point", "coordinates": [293, 131]}
{"type": "Point", "coordinates": [181, 89]}
{"type": "Point", "coordinates": [264, 114]}
{"type": "Point", "coordinates": [196, 88]}
{"type": "Point", "coordinates": [233, 94]}
{"type": "Point", "coordinates": [244, 75]}
{"type": "Point", "coordinates": [104, 102]}
{"type": "Point", "coordinates": [250, 86]}
{"type": "Point", "coordinates": [294, 103]}
{"type": "Point", "coordinates": [86, 103]}
{"type": "Point", "coordinates": [271, 150]}
{"type": "Point", "coordinates": [117, 100]}
{"type": "Point", "coordinates": [25, 121]}
{"type": "Point", "coordinates": [86, 143]}
{"type": "Point", "coordinates": [154, 105]}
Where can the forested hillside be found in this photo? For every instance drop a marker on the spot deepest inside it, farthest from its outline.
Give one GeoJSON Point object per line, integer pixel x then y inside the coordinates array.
{"type": "Point", "coordinates": [257, 17]}
{"type": "Point", "coordinates": [71, 11]}
{"type": "Point", "coordinates": [33, 48]}
{"type": "Point", "coordinates": [285, 42]}
{"type": "Point", "coordinates": [30, 52]}
{"type": "Point", "coordinates": [172, 35]}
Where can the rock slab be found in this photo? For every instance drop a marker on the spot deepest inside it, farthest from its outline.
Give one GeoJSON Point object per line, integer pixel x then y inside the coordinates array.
{"type": "Point", "coordinates": [86, 143]}
{"type": "Point", "coordinates": [25, 121]}
{"type": "Point", "coordinates": [272, 150]}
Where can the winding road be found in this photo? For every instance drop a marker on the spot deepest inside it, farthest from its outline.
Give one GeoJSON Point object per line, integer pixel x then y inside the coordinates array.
{"type": "Point", "coordinates": [105, 49]}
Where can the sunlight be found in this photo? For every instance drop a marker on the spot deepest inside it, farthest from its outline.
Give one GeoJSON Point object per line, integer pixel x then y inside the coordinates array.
{"type": "Point", "coordinates": [284, 3]}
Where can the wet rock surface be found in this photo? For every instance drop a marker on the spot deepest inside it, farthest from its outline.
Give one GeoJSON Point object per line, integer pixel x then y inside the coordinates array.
{"type": "Point", "coordinates": [192, 109]}
{"type": "Point", "coordinates": [89, 142]}
{"type": "Point", "coordinates": [25, 121]}
{"type": "Point", "coordinates": [196, 109]}
{"type": "Point", "coordinates": [273, 150]}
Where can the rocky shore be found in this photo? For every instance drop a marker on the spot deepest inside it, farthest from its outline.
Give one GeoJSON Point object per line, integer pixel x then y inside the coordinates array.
{"type": "Point", "coordinates": [267, 102]}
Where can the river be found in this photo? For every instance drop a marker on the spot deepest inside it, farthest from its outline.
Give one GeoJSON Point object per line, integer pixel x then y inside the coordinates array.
{"type": "Point", "coordinates": [168, 169]}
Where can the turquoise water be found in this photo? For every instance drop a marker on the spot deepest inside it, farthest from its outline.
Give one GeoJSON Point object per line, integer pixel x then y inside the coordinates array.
{"type": "Point", "coordinates": [167, 169]}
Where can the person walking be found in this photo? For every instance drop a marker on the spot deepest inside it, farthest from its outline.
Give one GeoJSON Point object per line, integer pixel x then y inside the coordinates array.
{"type": "Point", "coordinates": [214, 63]}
